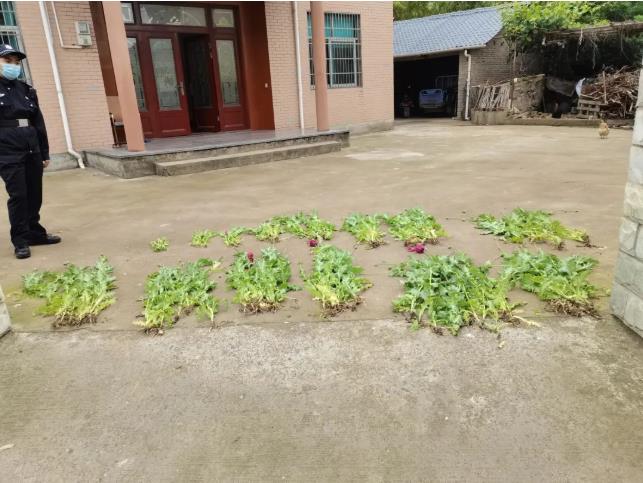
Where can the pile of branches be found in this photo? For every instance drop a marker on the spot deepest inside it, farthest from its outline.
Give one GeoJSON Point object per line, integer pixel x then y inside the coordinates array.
{"type": "Point", "coordinates": [616, 90]}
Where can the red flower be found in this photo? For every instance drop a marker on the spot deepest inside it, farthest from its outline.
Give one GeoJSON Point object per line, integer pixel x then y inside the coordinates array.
{"type": "Point", "coordinates": [251, 257]}
{"type": "Point", "coordinates": [417, 248]}
{"type": "Point", "coordinates": [313, 242]}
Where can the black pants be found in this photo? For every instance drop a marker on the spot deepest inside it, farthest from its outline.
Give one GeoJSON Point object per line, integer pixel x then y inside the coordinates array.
{"type": "Point", "coordinates": [24, 186]}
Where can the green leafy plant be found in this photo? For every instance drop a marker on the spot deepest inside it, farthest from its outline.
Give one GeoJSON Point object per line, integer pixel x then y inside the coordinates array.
{"type": "Point", "coordinates": [334, 281]}
{"type": "Point", "coordinates": [535, 226]}
{"type": "Point", "coordinates": [202, 238]}
{"type": "Point", "coordinates": [232, 237]}
{"type": "Point", "coordinates": [174, 291]}
{"type": "Point", "coordinates": [74, 296]}
{"type": "Point", "coordinates": [365, 228]}
{"type": "Point", "coordinates": [261, 285]}
{"type": "Point", "coordinates": [451, 292]}
{"type": "Point", "coordinates": [304, 225]}
{"type": "Point", "coordinates": [561, 282]}
{"type": "Point", "coordinates": [415, 226]}
{"type": "Point", "coordinates": [270, 230]}
{"type": "Point", "coordinates": [160, 244]}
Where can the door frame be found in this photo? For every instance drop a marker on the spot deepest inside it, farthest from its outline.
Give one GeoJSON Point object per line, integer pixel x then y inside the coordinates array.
{"type": "Point", "coordinates": [229, 117]}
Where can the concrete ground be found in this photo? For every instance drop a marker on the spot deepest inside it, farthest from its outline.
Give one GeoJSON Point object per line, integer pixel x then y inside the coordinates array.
{"type": "Point", "coordinates": [287, 396]}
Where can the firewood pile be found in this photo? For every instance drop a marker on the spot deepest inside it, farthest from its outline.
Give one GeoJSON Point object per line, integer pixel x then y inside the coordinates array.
{"type": "Point", "coordinates": [616, 91]}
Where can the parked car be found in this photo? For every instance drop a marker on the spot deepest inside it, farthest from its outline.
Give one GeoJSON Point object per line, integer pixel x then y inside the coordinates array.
{"type": "Point", "coordinates": [436, 101]}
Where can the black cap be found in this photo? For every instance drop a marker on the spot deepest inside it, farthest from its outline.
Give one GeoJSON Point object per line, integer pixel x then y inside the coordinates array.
{"type": "Point", "coordinates": [6, 49]}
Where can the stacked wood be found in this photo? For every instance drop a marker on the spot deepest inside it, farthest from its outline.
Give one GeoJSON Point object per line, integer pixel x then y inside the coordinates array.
{"type": "Point", "coordinates": [494, 97]}
{"type": "Point", "coordinates": [615, 91]}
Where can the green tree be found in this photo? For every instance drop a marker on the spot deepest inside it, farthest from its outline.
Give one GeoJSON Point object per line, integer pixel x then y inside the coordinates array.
{"type": "Point", "coordinates": [407, 10]}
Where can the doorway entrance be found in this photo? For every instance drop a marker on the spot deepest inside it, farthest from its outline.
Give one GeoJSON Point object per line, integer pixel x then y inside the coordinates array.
{"type": "Point", "coordinates": [199, 82]}
{"type": "Point", "coordinates": [186, 64]}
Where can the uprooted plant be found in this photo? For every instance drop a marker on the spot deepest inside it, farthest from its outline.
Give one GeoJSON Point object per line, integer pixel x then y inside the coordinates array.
{"type": "Point", "coordinates": [76, 295]}
{"type": "Point", "coordinates": [232, 237]}
{"type": "Point", "coordinates": [201, 238]}
{"type": "Point", "coordinates": [159, 245]}
{"type": "Point", "coordinates": [451, 292]}
{"type": "Point", "coordinates": [535, 226]}
{"type": "Point", "coordinates": [270, 230]}
{"type": "Point", "coordinates": [261, 283]}
{"type": "Point", "coordinates": [304, 225]}
{"type": "Point", "coordinates": [414, 226]}
{"type": "Point", "coordinates": [561, 282]}
{"type": "Point", "coordinates": [175, 291]}
{"type": "Point", "coordinates": [334, 280]}
{"type": "Point", "coordinates": [365, 228]}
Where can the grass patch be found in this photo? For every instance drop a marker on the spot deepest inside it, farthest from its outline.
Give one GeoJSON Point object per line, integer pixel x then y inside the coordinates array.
{"type": "Point", "coordinates": [159, 245]}
{"type": "Point", "coordinates": [334, 281]}
{"type": "Point", "coordinates": [232, 237]}
{"type": "Point", "coordinates": [261, 285]}
{"type": "Point", "coordinates": [534, 226]}
{"type": "Point", "coordinates": [450, 292]}
{"type": "Point", "coordinates": [74, 296]}
{"type": "Point", "coordinates": [304, 225]}
{"type": "Point", "coordinates": [561, 282]}
{"type": "Point", "coordinates": [365, 229]}
{"type": "Point", "coordinates": [202, 238]}
{"type": "Point", "coordinates": [175, 291]}
{"type": "Point", "coordinates": [414, 226]}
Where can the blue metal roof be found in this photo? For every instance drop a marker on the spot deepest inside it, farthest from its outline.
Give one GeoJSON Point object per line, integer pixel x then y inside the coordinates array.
{"type": "Point", "coordinates": [450, 31]}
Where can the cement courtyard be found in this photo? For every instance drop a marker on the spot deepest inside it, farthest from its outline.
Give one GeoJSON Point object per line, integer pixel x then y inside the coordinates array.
{"type": "Point", "coordinates": [288, 396]}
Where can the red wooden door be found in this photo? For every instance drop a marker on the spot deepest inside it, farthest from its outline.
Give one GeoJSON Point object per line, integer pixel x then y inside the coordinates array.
{"type": "Point", "coordinates": [162, 75]}
{"type": "Point", "coordinates": [229, 87]}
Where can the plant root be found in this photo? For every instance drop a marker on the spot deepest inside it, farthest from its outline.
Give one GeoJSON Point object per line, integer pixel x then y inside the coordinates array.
{"type": "Point", "coordinates": [573, 308]}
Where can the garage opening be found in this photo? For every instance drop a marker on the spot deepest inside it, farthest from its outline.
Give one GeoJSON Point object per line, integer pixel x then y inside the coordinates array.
{"type": "Point", "coordinates": [426, 87]}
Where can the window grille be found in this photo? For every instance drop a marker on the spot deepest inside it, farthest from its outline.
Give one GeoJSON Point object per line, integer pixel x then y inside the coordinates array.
{"type": "Point", "coordinates": [343, 50]}
{"type": "Point", "coordinates": [10, 34]}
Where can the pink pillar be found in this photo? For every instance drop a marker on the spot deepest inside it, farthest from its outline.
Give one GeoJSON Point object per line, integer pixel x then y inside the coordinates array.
{"type": "Point", "coordinates": [123, 74]}
{"type": "Point", "coordinates": [319, 61]}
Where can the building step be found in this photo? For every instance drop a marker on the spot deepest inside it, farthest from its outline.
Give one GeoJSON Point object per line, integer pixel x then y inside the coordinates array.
{"type": "Point", "coordinates": [198, 165]}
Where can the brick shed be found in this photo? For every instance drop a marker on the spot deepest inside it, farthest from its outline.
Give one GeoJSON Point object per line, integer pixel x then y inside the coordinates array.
{"type": "Point", "coordinates": [432, 53]}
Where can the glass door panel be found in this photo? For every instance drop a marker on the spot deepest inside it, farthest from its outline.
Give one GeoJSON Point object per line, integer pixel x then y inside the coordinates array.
{"type": "Point", "coordinates": [135, 62]}
{"type": "Point", "coordinates": [167, 87]}
{"type": "Point", "coordinates": [228, 72]}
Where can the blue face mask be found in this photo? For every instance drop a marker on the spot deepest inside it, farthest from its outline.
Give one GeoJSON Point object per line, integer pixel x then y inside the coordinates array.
{"type": "Point", "coordinates": [11, 71]}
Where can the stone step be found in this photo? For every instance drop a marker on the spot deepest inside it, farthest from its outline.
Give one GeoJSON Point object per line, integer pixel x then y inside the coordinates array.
{"type": "Point", "coordinates": [188, 166]}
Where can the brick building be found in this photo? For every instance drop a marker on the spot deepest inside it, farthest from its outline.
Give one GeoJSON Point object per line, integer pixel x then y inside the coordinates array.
{"type": "Point", "coordinates": [450, 50]}
{"type": "Point", "coordinates": [175, 68]}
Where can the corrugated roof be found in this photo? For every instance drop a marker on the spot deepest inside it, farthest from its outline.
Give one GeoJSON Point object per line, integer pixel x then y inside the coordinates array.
{"type": "Point", "coordinates": [449, 31]}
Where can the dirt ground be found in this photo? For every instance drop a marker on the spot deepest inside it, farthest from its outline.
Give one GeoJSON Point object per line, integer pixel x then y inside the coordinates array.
{"type": "Point", "coordinates": [288, 396]}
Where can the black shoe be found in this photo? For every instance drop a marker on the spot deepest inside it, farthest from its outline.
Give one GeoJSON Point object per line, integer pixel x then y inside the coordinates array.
{"type": "Point", "coordinates": [46, 240]}
{"type": "Point", "coordinates": [22, 252]}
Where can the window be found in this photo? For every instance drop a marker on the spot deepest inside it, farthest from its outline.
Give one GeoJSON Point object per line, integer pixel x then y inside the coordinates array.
{"type": "Point", "coordinates": [128, 12]}
{"type": "Point", "coordinates": [223, 17]}
{"type": "Point", "coordinates": [343, 50]}
{"type": "Point", "coordinates": [155, 14]}
{"type": "Point", "coordinates": [10, 34]}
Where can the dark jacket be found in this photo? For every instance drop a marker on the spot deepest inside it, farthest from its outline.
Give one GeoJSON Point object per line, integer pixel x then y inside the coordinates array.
{"type": "Point", "coordinates": [19, 101]}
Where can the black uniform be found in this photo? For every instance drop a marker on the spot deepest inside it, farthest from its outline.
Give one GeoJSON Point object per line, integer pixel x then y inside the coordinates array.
{"type": "Point", "coordinates": [23, 147]}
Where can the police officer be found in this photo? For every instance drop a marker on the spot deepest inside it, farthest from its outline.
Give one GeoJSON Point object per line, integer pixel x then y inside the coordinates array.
{"type": "Point", "coordinates": [24, 153]}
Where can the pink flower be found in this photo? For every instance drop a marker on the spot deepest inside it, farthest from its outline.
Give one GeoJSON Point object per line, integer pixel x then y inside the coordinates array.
{"type": "Point", "coordinates": [251, 257]}
{"type": "Point", "coordinates": [313, 243]}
